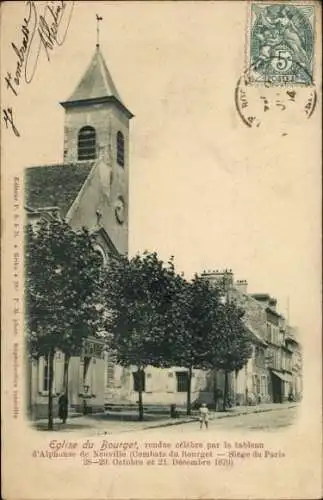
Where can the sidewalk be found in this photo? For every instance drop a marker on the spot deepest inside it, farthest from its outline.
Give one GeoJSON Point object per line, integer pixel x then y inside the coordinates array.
{"type": "Point", "coordinates": [112, 423]}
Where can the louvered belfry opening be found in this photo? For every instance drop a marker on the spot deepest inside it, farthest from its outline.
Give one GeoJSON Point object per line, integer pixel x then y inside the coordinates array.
{"type": "Point", "coordinates": [120, 149]}
{"type": "Point", "coordinates": [86, 146]}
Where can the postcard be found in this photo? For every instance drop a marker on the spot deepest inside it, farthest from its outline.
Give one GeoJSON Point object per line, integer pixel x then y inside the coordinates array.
{"type": "Point", "coordinates": [161, 249]}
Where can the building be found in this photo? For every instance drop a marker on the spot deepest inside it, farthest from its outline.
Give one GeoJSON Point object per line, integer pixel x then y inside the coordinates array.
{"type": "Point", "coordinates": [274, 371]}
{"type": "Point", "coordinates": [250, 384]}
{"type": "Point", "coordinates": [89, 189]}
{"type": "Point", "coordinates": [291, 339]}
{"type": "Point", "coordinates": [278, 352]}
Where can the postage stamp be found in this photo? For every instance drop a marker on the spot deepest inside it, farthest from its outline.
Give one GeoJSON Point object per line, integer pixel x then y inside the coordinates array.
{"type": "Point", "coordinates": [281, 43]}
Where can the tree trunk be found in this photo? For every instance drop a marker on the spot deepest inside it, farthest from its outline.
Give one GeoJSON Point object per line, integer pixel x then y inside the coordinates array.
{"type": "Point", "coordinates": [215, 389]}
{"type": "Point", "coordinates": [67, 358]}
{"type": "Point", "coordinates": [65, 379]}
{"type": "Point", "coordinates": [225, 395]}
{"type": "Point", "coordinates": [50, 388]}
{"type": "Point", "coordinates": [140, 391]}
{"type": "Point", "coordinates": [189, 387]}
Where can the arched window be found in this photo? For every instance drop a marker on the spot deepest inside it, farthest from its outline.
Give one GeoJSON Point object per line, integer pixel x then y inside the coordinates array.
{"type": "Point", "coordinates": [120, 148]}
{"type": "Point", "coordinates": [86, 146]}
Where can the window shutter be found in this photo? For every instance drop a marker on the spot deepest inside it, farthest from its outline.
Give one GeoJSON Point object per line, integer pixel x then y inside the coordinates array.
{"type": "Point", "coordinates": [87, 143]}
{"type": "Point", "coordinates": [120, 149]}
{"type": "Point", "coordinates": [40, 373]}
{"type": "Point", "coordinates": [93, 376]}
{"type": "Point", "coordinates": [110, 374]}
{"type": "Point", "coordinates": [182, 381]}
{"type": "Point", "coordinates": [59, 372]}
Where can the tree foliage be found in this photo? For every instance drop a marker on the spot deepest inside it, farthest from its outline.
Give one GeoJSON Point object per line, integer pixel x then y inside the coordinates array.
{"type": "Point", "coordinates": [233, 346]}
{"type": "Point", "coordinates": [62, 283]}
{"type": "Point", "coordinates": [197, 305]}
{"type": "Point", "coordinates": [140, 296]}
{"type": "Point", "coordinates": [62, 292]}
{"type": "Point", "coordinates": [158, 318]}
{"type": "Point", "coordinates": [209, 334]}
{"type": "Point", "coordinates": [194, 338]}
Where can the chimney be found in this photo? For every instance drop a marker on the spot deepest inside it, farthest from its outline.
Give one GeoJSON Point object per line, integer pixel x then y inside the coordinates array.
{"type": "Point", "coordinates": [273, 303]}
{"type": "Point", "coordinates": [242, 286]}
{"type": "Point", "coordinates": [217, 277]}
{"type": "Point", "coordinates": [266, 300]}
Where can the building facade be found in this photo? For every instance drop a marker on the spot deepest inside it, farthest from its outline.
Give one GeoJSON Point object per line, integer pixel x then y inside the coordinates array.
{"type": "Point", "coordinates": [274, 371]}
{"type": "Point", "coordinates": [90, 188]}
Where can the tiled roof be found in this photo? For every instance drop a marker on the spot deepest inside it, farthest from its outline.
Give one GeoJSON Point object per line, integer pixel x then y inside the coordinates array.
{"type": "Point", "coordinates": [255, 334]}
{"type": "Point", "coordinates": [54, 185]}
{"type": "Point", "coordinates": [96, 81]}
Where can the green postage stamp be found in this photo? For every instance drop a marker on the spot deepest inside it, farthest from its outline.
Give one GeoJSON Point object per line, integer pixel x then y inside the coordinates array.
{"type": "Point", "coordinates": [281, 43]}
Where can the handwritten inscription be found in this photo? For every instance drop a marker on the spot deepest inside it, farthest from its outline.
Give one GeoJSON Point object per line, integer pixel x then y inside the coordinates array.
{"type": "Point", "coordinates": [38, 33]}
{"type": "Point", "coordinates": [8, 119]}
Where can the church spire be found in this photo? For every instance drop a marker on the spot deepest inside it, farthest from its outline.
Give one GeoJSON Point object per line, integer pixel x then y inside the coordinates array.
{"type": "Point", "coordinates": [96, 85]}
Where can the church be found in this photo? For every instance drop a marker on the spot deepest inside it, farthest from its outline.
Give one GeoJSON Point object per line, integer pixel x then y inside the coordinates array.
{"type": "Point", "coordinates": [91, 189]}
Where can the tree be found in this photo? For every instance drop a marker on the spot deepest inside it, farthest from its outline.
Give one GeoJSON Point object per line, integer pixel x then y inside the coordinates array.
{"type": "Point", "coordinates": [62, 283]}
{"type": "Point", "coordinates": [232, 347]}
{"type": "Point", "coordinates": [139, 294]}
{"type": "Point", "coordinates": [209, 334]}
{"type": "Point", "coordinates": [194, 337]}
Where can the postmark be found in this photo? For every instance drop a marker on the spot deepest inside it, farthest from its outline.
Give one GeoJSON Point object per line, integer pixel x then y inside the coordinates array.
{"type": "Point", "coordinates": [281, 44]}
{"type": "Point", "coordinates": [276, 107]}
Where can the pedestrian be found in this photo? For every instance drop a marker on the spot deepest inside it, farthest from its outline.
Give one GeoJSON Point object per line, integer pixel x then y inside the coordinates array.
{"type": "Point", "coordinates": [204, 416]}
{"type": "Point", "coordinates": [62, 407]}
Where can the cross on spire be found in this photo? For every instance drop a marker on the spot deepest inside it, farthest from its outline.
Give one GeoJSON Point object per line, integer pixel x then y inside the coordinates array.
{"type": "Point", "coordinates": [98, 19]}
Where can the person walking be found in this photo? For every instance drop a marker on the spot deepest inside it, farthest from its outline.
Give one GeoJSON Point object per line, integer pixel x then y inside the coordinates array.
{"type": "Point", "coordinates": [62, 407]}
{"type": "Point", "coordinates": [204, 416]}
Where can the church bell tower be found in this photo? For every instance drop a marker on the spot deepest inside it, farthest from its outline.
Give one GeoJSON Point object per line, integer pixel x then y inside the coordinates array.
{"type": "Point", "coordinates": [97, 132]}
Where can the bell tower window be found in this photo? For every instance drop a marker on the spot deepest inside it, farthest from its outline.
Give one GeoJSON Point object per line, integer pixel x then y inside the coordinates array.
{"type": "Point", "coordinates": [86, 146]}
{"type": "Point", "coordinates": [120, 149]}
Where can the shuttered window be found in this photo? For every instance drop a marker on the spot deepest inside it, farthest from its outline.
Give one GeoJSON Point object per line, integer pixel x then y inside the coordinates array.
{"type": "Point", "coordinates": [120, 149]}
{"type": "Point", "coordinates": [86, 147]}
{"type": "Point", "coordinates": [46, 375]}
{"type": "Point", "coordinates": [110, 374]}
{"type": "Point", "coordinates": [182, 381]}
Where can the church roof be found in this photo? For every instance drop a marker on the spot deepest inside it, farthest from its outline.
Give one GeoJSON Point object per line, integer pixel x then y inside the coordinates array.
{"type": "Point", "coordinates": [54, 185]}
{"type": "Point", "coordinates": [96, 82]}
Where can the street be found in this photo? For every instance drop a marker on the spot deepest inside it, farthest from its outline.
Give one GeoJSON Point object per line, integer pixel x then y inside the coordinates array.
{"type": "Point", "coordinates": [266, 418]}
{"type": "Point", "coordinates": [265, 421]}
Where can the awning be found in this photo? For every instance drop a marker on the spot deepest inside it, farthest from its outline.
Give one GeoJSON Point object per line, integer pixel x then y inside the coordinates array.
{"type": "Point", "coordinates": [285, 377]}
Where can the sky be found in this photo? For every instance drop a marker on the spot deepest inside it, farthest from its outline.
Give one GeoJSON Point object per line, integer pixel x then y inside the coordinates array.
{"type": "Point", "coordinates": [203, 187]}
